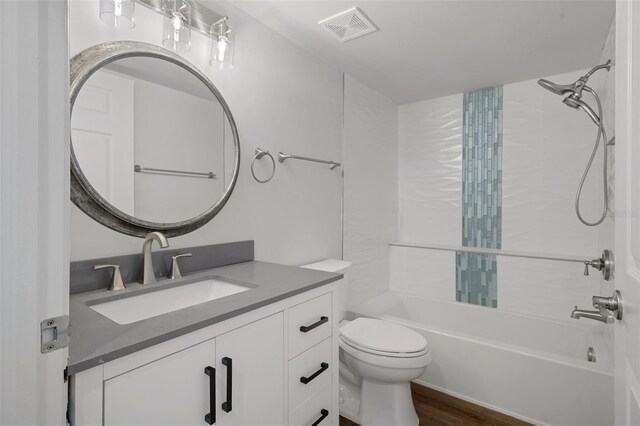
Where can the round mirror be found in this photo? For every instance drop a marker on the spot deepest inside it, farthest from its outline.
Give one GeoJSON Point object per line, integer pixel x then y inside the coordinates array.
{"type": "Point", "coordinates": [154, 146]}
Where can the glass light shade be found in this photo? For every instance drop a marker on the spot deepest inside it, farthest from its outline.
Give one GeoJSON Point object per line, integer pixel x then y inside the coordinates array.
{"type": "Point", "coordinates": [222, 45]}
{"type": "Point", "coordinates": [118, 13]}
{"type": "Point", "coordinates": [176, 31]}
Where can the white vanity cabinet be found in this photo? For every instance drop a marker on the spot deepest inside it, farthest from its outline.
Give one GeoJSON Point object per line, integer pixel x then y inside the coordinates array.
{"type": "Point", "coordinates": [246, 370]}
{"type": "Point", "coordinates": [170, 391]}
{"type": "Point", "coordinates": [256, 373]}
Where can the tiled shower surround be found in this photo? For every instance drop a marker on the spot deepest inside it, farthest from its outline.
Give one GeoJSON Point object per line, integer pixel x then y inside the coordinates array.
{"type": "Point", "coordinates": [476, 274]}
{"type": "Point", "coordinates": [545, 146]}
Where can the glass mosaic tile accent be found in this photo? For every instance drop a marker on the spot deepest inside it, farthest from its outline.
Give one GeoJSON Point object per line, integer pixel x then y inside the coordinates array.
{"type": "Point", "coordinates": [476, 274]}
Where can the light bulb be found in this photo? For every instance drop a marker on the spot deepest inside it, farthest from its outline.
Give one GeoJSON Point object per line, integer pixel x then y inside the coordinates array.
{"type": "Point", "coordinates": [222, 45]}
{"type": "Point", "coordinates": [177, 21]}
{"type": "Point", "coordinates": [176, 33]}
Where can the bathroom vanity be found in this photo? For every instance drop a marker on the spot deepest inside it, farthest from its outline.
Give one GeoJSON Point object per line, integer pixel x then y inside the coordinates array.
{"type": "Point", "coordinates": [264, 356]}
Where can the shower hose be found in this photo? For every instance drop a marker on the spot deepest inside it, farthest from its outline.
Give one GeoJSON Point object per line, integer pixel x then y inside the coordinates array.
{"type": "Point", "coordinates": [602, 135]}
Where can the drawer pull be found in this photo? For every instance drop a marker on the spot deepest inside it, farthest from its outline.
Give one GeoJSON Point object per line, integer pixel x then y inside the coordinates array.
{"type": "Point", "coordinates": [323, 367]}
{"type": "Point", "coordinates": [306, 328]}
{"type": "Point", "coordinates": [227, 406]}
{"type": "Point", "coordinates": [210, 417]}
{"type": "Point", "coordinates": [323, 414]}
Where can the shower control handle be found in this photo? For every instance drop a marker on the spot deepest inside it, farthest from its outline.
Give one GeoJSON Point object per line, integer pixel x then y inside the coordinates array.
{"type": "Point", "coordinates": [610, 307]}
{"type": "Point", "coordinates": [604, 264]}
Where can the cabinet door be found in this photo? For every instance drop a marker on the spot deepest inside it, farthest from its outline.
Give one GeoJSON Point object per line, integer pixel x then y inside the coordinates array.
{"type": "Point", "coordinates": [253, 358]}
{"type": "Point", "coordinates": [170, 391]}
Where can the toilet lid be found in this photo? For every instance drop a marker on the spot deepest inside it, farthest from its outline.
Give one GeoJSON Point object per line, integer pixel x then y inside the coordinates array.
{"type": "Point", "coordinates": [383, 336]}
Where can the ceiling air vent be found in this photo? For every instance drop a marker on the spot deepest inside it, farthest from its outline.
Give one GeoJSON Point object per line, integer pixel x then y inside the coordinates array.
{"type": "Point", "coordinates": [348, 25]}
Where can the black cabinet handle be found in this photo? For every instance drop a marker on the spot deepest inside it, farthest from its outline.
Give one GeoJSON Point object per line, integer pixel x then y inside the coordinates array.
{"type": "Point", "coordinates": [323, 414]}
{"type": "Point", "coordinates": [305, 328]}
{"type": "Point", "coordinates": [323, 367]}
{"type": "Point", "coordinates": [227, 405]}
{"type": "Point", "coordinates": [210, 417]}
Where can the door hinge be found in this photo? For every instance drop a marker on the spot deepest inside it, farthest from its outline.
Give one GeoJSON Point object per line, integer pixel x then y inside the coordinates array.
{"type": "Point", "coordinates": [54, 334]}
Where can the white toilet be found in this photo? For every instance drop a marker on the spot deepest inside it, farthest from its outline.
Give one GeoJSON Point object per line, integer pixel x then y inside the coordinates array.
{"type": "Point", "coordinates": [378, 359]}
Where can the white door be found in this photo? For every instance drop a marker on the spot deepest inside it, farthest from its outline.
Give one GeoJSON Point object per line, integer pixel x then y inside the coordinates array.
{"type": "Point", "coordinates": [250, 369]}
{"type": "Point", "coordinates": [627, 172]}
{"type": "Point", "coordinates": [34, 208]}
{"type": "Point", "coordinates": [102, 130]}
{"type": "Point", "coordinates": [174, 390]}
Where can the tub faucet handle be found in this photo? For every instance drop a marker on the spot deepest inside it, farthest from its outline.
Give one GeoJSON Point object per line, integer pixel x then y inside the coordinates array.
{"type": "Point", "coordinates": [609, 307]}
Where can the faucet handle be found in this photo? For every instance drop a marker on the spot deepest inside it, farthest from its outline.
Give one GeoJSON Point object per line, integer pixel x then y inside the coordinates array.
{"type": "Point", "coordinates": [116, 280]}
{"type": "Point", "coordinates": [175, 269]}
{"type": "Point", "coordinates": [609, 307]}
{"type": "Point", "coordinates": [586, 270]}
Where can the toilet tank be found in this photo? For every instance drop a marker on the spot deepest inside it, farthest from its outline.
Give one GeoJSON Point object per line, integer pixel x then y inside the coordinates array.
{"type": "Point", "coordinates": [340, 267]}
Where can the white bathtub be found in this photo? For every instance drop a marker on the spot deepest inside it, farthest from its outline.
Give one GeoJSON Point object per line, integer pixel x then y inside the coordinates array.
{"type": "Point", "coordinates": [530, 368]}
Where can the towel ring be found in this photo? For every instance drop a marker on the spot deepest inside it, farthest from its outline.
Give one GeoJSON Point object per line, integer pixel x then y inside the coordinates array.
{"type": "Point", "coordinates": [259, 154]}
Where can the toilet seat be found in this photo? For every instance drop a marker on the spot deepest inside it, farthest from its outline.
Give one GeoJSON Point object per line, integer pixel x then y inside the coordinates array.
{"type": "Point", "coordinates": [388, 360]}
{"type": "Point", "coordinates": [346, 342]}
{"type": "Point", "coordinates": [383, 338]}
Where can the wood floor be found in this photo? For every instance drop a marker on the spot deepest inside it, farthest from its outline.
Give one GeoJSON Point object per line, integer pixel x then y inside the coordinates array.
{"type": "Point", "coordinates": [438, 409]}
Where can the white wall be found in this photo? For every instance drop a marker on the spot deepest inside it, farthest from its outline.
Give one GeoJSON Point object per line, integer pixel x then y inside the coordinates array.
{"type": "Point", "coordinates": [370, 188]}
{"type": "Point", "coordinates": [283, 99]}
{"type": "Point", "coordinates": [545, 148]}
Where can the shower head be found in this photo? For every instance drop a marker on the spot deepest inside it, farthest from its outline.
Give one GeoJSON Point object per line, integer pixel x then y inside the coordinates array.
{"type": "Point", "coordinates": [573, 92]}
{"type": "Point", "coordinates": [574, 89]}
{"type": "Point", "coordinates": [558, 89]}
{"type": "Point", "coordinates": [575, 102]}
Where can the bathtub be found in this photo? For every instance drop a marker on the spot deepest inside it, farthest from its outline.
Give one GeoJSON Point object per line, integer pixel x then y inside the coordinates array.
{"type": "Point", "coordinates": [530, 368]}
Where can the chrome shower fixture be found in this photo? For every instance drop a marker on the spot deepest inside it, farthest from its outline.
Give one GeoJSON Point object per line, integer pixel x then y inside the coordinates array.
{"type": "Point", "coordinates": [574, 91]}
{"type": "Point", "coordinates": [573, 98]}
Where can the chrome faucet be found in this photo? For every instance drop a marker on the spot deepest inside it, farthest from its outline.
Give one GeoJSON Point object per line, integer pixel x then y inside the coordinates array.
{"type": "Point", "coordinates": [608, 309]}
{"type": "Point", "coordinates": [594, 315]}
{"type": "Point", "coordinates": [147, 275]}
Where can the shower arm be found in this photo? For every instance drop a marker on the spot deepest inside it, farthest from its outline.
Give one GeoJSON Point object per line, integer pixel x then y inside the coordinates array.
{"type": "Point", "coordinates": [606, 65]}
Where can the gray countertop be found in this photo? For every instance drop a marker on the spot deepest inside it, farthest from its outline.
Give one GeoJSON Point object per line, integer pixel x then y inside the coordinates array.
{"type": "Point", "coordinates": [96, 339]}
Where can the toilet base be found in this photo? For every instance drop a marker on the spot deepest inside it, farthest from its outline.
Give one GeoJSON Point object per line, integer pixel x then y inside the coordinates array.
{"type": "Point", "coordinates": [377, 404]}
{"type": "Point", "coordinates": [387, 404]}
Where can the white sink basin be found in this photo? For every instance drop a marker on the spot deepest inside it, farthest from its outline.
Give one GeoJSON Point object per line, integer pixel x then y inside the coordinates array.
{"type": "Point", "coordinates": [147, 305]}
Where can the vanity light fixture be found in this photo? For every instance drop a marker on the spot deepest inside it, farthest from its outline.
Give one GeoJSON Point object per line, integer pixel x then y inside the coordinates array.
{"type": "Point", "coordinates": [118, 13]}
{"type": "Point", "coordinates": [222, 44]}
{"type": "Point", "coordinates": [176, 29]}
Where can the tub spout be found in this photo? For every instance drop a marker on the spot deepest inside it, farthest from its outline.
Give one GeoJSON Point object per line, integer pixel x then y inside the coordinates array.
{"type": "Point", "coordinates": [591, 314]}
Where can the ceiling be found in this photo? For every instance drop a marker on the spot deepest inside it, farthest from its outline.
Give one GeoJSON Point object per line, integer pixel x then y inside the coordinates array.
{"type": "Point", "coordinates": [426, 49]}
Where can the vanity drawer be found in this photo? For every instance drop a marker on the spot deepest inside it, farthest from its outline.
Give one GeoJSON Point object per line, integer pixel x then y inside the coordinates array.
{"type": "Point", "coordinates": [314, 367]}
{"type": "Point", "coordinates": [309, 324]}
{"type": "Point", "coordinates": [314, 411]}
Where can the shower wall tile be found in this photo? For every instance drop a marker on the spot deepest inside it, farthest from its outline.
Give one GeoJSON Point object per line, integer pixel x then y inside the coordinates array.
{"type": "Point", "coordinates": [546, 148]}
{"type": "Point", "coordinates": [476, 274]}
{"type": "Point", "coordinates": [430, 171]}
{"type": "Point", "coordinates": [544, 288]}
{"type": "Point", "coordinates": [428, 273]}
{"type": "Point", "coordinates": [370, 158]}
{"type": "Point", "coordinates": [368, 274]}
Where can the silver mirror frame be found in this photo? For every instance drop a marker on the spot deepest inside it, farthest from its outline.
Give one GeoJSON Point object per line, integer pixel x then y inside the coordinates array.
{"type": "Point", "coordinates": [84, 195]}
